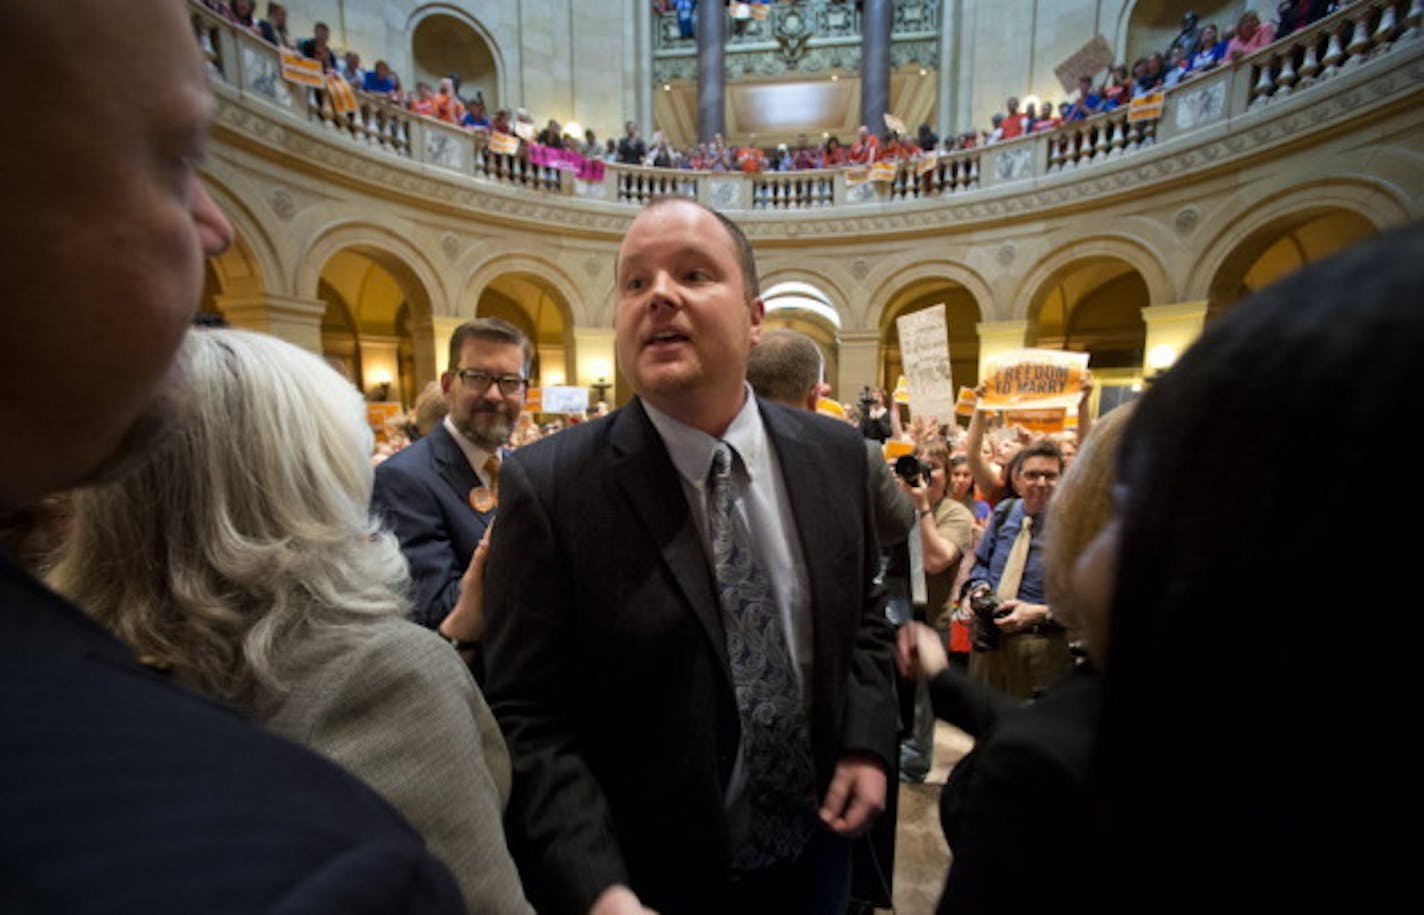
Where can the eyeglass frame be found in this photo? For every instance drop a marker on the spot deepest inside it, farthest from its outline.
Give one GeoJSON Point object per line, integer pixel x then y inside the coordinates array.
{"type": "Point", "coordinates": [509, 385]}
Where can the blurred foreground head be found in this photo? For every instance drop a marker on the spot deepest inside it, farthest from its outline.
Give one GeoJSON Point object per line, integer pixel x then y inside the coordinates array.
{"type": "Point", "coordinates": [1260, 694]}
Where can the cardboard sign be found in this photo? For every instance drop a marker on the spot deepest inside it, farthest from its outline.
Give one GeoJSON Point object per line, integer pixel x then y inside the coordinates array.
{"type": "Point", "coordinates": [924, 351]}
{"type": "Point", "coordinates": [925, 164]}
{"type": "Point", "coordinates": [856, 176]}
{"type": "Point", "coordinates": [882, 171]}
{"type": "Point", "coordinates": [301, 70]}
{"type": "Point", "coordinates": [1038, 379]}
{"type": "Point", "coordinates": [564, 399]}
{"type": "Point", "coordinates": [894, 123]}
{"type": "Point", "coordinates": [902, 390]}
{"type": "Point", "coordinates": [1146, 107]}
{"type": "Point", "coordinates": [1089, 60]}
{"type": "Point", "coordinates": [525, 131]}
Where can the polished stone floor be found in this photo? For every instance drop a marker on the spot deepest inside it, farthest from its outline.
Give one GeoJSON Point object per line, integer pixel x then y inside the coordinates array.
{"type": "Point", "coordinates": [921, 857]}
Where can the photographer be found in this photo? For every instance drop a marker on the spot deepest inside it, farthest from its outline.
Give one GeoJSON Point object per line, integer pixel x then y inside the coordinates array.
{"type": "Point", "coordinates": [1019, 647]}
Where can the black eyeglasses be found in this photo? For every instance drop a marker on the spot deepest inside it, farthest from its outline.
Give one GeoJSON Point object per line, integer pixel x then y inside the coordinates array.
{"type": "Point", "coordinates": [479, 382]}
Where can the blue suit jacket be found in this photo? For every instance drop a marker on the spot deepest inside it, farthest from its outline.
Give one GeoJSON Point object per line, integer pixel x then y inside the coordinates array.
{"type": "Point", "coordinates": [423, 494]}
{"type": "Point", "coordinates": [126, 793]}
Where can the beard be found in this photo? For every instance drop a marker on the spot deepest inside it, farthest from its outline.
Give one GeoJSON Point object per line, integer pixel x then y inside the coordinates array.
{"type": "Point", "coordinates": [488, 427]}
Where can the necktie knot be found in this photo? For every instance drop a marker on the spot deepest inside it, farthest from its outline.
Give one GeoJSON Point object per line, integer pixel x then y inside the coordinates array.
{"type": "Point", "coordinates": [722, 461]}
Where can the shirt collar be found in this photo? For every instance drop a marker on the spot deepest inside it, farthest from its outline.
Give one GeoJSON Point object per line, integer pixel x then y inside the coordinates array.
{"type": "Point", "coordinates": [691, 449]}
{"type": "Point", "coordinates": [477, 456]}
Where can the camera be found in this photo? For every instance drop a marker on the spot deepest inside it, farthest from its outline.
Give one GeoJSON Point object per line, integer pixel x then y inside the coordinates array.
{"type": "Point", "coordinates": [912, 470]}
{"type": "Point", "coordinates": [867, 399]}
{"type": "Point", "coordinates": [985, 605]}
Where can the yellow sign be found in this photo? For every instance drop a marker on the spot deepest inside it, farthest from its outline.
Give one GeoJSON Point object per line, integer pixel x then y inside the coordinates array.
{"type": "Point", "coordinates": [828, 407]}
{"type": "Point", "coordinates": [902, 390]}
{"type": "Point", "coordinates": [534, 400]}
{"type": "Point", "coordinates": [301, 70]}
{"type": "Point", "coordinates": [894, 449]}
{"type": "Point", "coordinates": [343, 100]}
{"type": "Point", "coordinates": [503, 144]}
{"type": "Point", "coordinates": [964, 406]}
{"type": "Point", "coordinates": [1037, 379]}
{"type": "Point", "coordinates": [1146, 107]}
{"type": "Point", "coordinates": [1042, 421]}
{"type": "Point", "coordinates": [857, 175]}
{"type": "Point", "coordinates": [882, 171]}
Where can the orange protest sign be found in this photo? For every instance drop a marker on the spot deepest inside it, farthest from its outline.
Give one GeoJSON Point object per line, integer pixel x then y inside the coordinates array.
{"type": "Point", "coordinates": [300, 70]}
{"type": "Point", "coordinates": [1037, 379]}
{"type": "Point", "coordinates": [964, 405]}
{"type": "Point", "coordinates": [893, 449]}
{"type": "Point", "coordinates": [503, 144]}
{"type": "Point", "coordinates": [534, 400]}
{"type": "Point", "coordinates": [882, 171]}
{"type": "Point", "coordinates": [828, 407]}
{"type": "Point", "coordinates": [1146, 107]}
{"type": "Point", "coordinates": [1042, 421]}
{"type": "Point", "coordinates": [343, 100]}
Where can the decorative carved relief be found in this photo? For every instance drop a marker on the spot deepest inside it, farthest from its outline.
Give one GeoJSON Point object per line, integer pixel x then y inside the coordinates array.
{"type": "Point", "coordinates": [1187, 219]}
{"type": "Point", "coordinates": [1201, 106]}
{"type": "Point", "coordinates": [264, 77]}
{"type": "Point", "coordinates": [724, 193]}
{"type": "Point", "coordinates": [859, 268]}
{"type": "Point", "coordinates": [1005, 255]}
{"type": "Point", "coordinates": [441, 150]}
{"type": "Point", "coordinates": [282, 203]}
{"type": "Point", "coordinates": [1011, 164]}
{"type": "Point", "coordinates": [450, 245]}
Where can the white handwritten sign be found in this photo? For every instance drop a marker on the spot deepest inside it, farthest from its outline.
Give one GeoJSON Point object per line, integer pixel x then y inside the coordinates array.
{"type": "Point", "coordinates": [924, 350]}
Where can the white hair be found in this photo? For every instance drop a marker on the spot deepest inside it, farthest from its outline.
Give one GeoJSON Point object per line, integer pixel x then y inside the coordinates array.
{"type": "Point", "coordinates": [248, 524]}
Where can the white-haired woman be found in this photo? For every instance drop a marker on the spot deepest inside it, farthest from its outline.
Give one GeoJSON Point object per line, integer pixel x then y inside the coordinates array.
{"type": "Point", "coordinates": [241, 558]}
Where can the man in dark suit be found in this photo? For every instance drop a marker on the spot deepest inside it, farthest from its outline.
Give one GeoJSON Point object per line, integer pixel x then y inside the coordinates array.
{"type": "Point", "coordinates": [687, 652]}
{"type": "Point", "coordinates": [439, 495]}
{"type": "Point", "coordinates": [123, 792]}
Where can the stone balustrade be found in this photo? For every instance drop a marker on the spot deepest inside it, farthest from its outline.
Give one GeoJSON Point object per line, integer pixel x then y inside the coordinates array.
{"type": "Point", "coordinates": [1202, 106]}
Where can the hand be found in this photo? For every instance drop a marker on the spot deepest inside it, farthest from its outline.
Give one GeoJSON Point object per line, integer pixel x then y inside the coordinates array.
{"type": "Point", "coordinates": [920, 653]}
{"type": "Point", "coordinates": [1088, 383]}
{"type": "Point", "coordinates": [856, 795]}
{"type": "Point", "coordinates": [618, 900]}
{"type": "Point", "coordinates": [1021, 616]}
{"type": "Point", "coordinates": [466, 620]}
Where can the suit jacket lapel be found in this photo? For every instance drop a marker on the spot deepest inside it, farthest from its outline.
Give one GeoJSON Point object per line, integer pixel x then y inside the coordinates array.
{"type": "Point", "coordinates": [451, 464]}
{"type": "Point", "coordinates": [650, 481]}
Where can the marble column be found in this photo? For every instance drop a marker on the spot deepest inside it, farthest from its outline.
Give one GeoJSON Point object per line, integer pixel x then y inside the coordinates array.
{"type": "Point", "coordinates": [875, 24]}
{"type": "Point", "coordinates": [1170, 330]}
{"type": "Point", "coordinates": [997, 337]}
{"type": "Point", "coordinates": [860, 362]}
{"type": "Point", "coordinates": [711, 70]}
{"type": "Point", "coordinates": [293, 319]}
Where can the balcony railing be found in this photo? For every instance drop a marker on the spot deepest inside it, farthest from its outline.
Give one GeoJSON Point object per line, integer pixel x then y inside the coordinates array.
{"type": "Point", "coordinates": [1338, 44]}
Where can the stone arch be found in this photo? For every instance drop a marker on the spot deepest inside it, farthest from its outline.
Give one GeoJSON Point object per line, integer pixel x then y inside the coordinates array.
{"type": "Point", "coordinates": [832, 289]}
{"type": "Point", "coordinates": [251, 266]}
{"type": "Point", "coordinates": [797, 300]}
{"type": "Point", "coordinates": [426, 14]}
{"type": "Point", "coordinates": [501, 263]}
{"type": "Point", "coordinates": [539, 299]}
{"type": "Point", "coordinates": [401, 349]}
{"type": "Point", "coordinates": [923, 286]}
{"type": "Point", "coordinates": [1050, 267]}
{"type": "Point", "coordinates": [1242, 233]}
{"type": "Point", "coordinates": [897, 278]}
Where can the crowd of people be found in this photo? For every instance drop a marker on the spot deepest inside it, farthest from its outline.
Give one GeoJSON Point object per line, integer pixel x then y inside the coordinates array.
{"type": "Point", "coordinates": [646, 665]}
{"type": "Point", "coordinates": [1195, 50]}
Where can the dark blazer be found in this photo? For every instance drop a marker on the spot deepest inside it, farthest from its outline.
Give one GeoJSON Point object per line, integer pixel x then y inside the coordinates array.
{"type": "Point", "coordinates": [125, 793]}
{"type": "Point", "coordinates": [423, 494]}
{"type": "Point", "coordinates": [1015, 811]}
{"type": "Point", "coordinates": [608, 662]}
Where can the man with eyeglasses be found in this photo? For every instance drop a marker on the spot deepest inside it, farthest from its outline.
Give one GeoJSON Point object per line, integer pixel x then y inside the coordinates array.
{"type": "Point", "coordinates": [1026, 651]}
{"type": "Point", "coordinates": [439, 495]}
